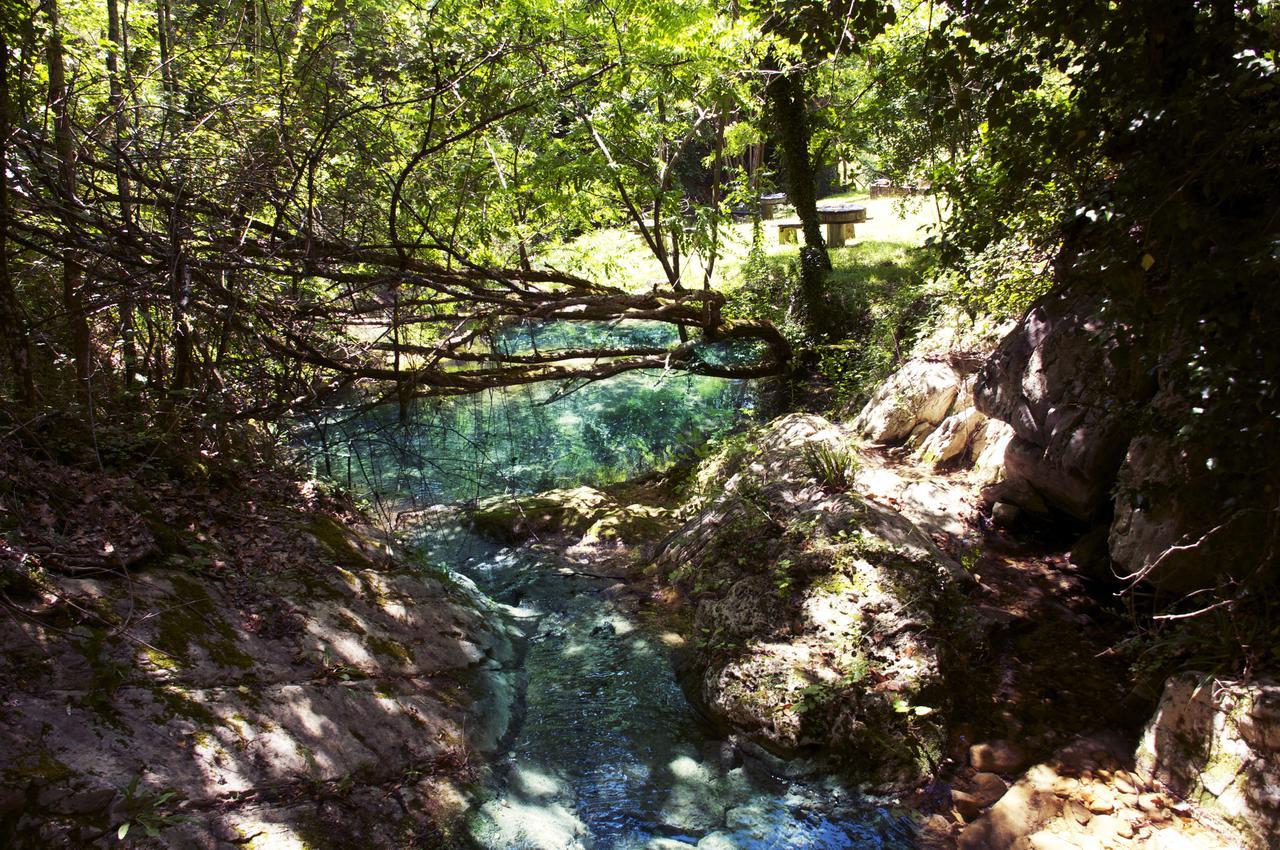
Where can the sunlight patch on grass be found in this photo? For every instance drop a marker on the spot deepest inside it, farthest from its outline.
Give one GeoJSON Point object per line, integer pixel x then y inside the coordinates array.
{"type": "Point", "coordinates": [620, 257]}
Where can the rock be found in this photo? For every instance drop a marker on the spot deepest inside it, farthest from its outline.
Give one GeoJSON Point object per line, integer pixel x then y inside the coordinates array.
{"type": "Point", "coordinates": [987, 448]}
{"type": "Point", "coordinates": [1170, 527]}
{"type": "Point", "coordinates": [951, 439]}
{"type": "Point", "coordinates": [697, 799]}
{"type": "Point", "coordinates": [1173, 839]}
{"type": "Point", "coordinates": [718, 841]}
{"type": "Point", "coordinates": [1005, 514]}
{"type": "Point", "coordinates": [1017, 492]}
{"type": "Point", "coordinates": [752, 819]}
{"type": "Point", "coordinates": [936, 833]}
{"type": "Point", "coordinates": [1107, 827]}
{"type": "Point", "coordinates": [987, 788]}
{"type": "Point", "coordinates": [1075, 810]}
{"type": "Point", "coordinates": [1099, 801]}
{"type": "Point", "coordinates": [1208, 742]}
{"type": "Point", "coordinates": [967, 805]}
{"type": "Point", "coordinates": [783, 607]}
{"type": "Point", "coordinates": [919, 393]}
{"type": "Point", "coordinates": [531, 826]}
{"type": "Point", "coordinates": [1066, 390]}
{"type": "Point", "coordinates": [1090, 554]}
{"type": "Point", "coordinates": [357, 674]}
{"type": "Point", "coordinates": [997, 757]}
{"type": "Point", "coordinates": [1049, 841]}
{"type": "Point", "coordinates": [518, 517]}
{"type": "Point", "coordinates": [1028, 805]}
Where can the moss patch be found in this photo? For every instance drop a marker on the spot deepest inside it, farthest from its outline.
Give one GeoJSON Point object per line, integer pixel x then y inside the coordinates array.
{"type": "Point", "coordinates": [336, 538]}
{"type": "Point", "coordinates": [193, 620]}
{"type": "Point", "coordinates": [389, 650]}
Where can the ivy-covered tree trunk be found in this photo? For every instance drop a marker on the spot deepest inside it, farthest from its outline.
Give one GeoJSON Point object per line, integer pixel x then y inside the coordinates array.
{"type": "Point", "coordinates": [789, 117]}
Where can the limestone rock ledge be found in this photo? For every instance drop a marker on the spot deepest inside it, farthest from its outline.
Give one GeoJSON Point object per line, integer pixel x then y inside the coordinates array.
{"type": "Point", "coordinates": [1217, 744]}
{"type": "Point", "coordinates": [328, 705]}
{"type": "Point", "coordinates": [822, 620]}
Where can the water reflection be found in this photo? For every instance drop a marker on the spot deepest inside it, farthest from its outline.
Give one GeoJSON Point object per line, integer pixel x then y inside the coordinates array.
{"type": "Point", "coordinates": [525, 439]}
{"type": "Point", "coordinates": [611, 756]}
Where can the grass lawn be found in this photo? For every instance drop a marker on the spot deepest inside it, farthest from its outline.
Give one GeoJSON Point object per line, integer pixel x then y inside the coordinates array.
{"type": "Point", "coordinates": [620, 257]}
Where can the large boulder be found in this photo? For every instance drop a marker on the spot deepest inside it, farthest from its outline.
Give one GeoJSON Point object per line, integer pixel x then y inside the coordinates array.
{"type": "Point", "coordinates": [1180, 521]}
{"type": "Point", "coordinates": [581, 512]}
{"type": "Point", "coordinates": [1217, 743]}
{"type": "Point", "coordinates": [951, 439]}
{"type": "Point", "coordinates": [919, 394]}
{"type": "Point", "coordinates": [822, 621]}
{"type": "Point", "coordinates": [1069, 385]}
{"type": "Point", "coordinates": [987, 448]}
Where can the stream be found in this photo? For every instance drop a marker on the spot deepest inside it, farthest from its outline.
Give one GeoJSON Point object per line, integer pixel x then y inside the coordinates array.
{"type": "Point", "coordinates": [610, 754]}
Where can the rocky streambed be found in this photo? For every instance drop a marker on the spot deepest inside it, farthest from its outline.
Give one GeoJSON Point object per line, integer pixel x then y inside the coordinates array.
{"type": "Point", "coordinates": [611, 754]}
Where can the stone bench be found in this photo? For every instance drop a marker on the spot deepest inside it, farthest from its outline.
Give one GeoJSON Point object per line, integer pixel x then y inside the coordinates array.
{"type": "Point", "coordinates": [839, 219]}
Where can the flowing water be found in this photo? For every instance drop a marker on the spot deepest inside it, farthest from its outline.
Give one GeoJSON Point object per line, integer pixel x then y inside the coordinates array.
{"type": "Point", "coordinates": [610, 756]}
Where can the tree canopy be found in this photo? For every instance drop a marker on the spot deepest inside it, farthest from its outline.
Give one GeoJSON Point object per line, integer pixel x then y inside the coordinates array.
{"type": "Point", "coordinates": [248, 206]}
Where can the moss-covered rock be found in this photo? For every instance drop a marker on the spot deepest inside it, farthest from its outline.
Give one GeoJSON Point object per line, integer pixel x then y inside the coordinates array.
{"type": "Point", "coordinates": [552, 512]}
{"type": "Point", "coordinates": [1217, 743]}
{"type": "Point", "coordinates": [582, 512]}
{"type": "Point", "coordinates": [821, 620]}
{"type": "Point", "coordinates": [182, 695]}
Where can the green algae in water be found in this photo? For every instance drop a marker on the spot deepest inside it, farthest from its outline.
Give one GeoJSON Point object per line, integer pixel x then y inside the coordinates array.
{"type": "Point", "coordinates": [533, 438]}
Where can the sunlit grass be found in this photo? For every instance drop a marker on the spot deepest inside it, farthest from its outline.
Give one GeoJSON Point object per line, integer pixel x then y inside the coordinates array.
{"type": "Point", "coordinates": [620, 257]}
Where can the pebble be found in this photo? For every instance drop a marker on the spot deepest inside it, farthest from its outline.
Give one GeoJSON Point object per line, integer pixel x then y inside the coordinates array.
{"type": "Point", "coordinates": [997, 757]}
{"type": "Point", "coordinates": [1005, 514]}
{"type": "Point", "coordinates": [1100, 803]}
{"type": "Point", "coordinates": [988, 788]}
{"type": "Point", "coordinates": [1105, 826]}
{"type": "Point", "coordinates": [1049, 841]}
{"type": "Point", "coordinates": [1077, 812]}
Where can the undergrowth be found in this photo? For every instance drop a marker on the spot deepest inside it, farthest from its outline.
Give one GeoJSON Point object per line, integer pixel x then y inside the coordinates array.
{"type": "Point", "coordinates": [881, 301]}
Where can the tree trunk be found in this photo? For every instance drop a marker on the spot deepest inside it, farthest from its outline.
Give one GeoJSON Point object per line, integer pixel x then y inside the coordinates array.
{"type": "Point", "coordinates": [128, 330]}
{"type": "Point", "coordinates": [73, 300]}
{"type": "Point", "coordinates": [12, 327]}
{"type": "Point", "coordinates": [790, 119]}
{"type": "Point", "coordinates": [179, 271]}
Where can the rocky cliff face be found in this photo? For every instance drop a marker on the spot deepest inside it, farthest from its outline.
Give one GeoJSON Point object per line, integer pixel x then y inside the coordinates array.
{"type": "Point", "coordinates": [1070, 390]}
{"type": "Point", "coordinates": [1216, 743]}
{"type": "Point", "coordinates": [1118, 426]}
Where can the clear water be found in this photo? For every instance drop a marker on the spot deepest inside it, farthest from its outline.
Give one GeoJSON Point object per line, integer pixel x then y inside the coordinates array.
{"type": "Point", "coordinates": [610, 755]}
{"type": "Point", "coordinates": [531, 438]}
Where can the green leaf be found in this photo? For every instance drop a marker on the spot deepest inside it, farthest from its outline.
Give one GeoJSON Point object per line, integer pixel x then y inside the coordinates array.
{"type": "Point", "coordinates": [123, 830]}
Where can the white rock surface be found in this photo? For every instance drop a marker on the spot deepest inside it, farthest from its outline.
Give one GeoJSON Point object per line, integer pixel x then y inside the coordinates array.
{"type": "Point", "coordinates": [921, 392]}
